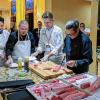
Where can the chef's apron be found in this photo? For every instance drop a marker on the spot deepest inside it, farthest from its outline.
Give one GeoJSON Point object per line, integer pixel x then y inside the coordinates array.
{"type": "Point", "coordinates": [2, 46]}
{"type": "Point", "coordinates": [56, 58]}
{"type": "Point", "coordinates": [22, 49]}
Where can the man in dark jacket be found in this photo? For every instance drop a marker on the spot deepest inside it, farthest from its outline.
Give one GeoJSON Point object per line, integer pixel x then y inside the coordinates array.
{"type": "Point", "coordinates": [77, 48]}
{"type": "Point", "coordinates": [36, 33]}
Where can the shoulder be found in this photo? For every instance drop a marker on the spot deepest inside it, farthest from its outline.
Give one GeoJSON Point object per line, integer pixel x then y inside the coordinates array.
{"type": "Point", "coordinates": [85, 38]}
{"type": "Point", "coordinates": [30, 34]}
{"type": "Point", "coordinates": [6, 32]}
{"type": "Point", "coordinates": [43, 31]}
{"type": "Point", "coordinates": [67, 36]}
{"type": "Point", "coordinates": [13, 35]}
{"type": "Point", "coordinates": [57, 28]}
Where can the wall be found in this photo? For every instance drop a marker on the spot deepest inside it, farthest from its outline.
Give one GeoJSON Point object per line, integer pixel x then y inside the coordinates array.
{"type": "Point", "coordinates": [39, 9]}
{"type": "Point", "coordinates": [65, 10]}
{"type": "Point", "coordinates": [48, 5]}
{"type": "Point", "coordinates": [5, 6]}
{"type": "Point", "coordinates": [6, 15]}
{"type": "Point", "coordinates": [94, 22]}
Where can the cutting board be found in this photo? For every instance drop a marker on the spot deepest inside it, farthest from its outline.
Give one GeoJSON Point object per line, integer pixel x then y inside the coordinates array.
{"type": "Point", "coordinates": [47, 74]}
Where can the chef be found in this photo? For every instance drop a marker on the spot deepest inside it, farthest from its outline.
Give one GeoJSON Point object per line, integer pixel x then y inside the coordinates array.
{"type": "Point", "coordinates": [51, 40]}
{"type": "Point", "coordinates": [77, 48]}
{"type": "Point", "coordinates": [20, 43]}
{"type": "Point", "coordinates": [4, 34]}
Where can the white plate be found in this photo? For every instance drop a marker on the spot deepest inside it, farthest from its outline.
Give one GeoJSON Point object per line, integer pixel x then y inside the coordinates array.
{"type": "Point", "coordinates": [15, 65]}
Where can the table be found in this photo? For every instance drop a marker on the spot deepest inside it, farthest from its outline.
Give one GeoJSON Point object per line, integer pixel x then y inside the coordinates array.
{"type": "Point", "coordinates": [9, 74]}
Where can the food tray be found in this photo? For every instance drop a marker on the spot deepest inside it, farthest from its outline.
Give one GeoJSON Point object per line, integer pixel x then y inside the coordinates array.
{"type": "Point", "coordinates": [55, 90]}
{"type": "Point", "coordinates": [83, 81]}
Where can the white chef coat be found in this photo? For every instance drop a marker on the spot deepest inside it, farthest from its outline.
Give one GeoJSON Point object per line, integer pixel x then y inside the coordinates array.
{"type": "Point", "coordinates": [53, 38]}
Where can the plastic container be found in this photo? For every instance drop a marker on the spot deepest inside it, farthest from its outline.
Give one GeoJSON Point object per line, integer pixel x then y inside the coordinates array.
{"type": "Point", "coordinates": [26, 64]}
{"type": "Point", "coordinates": [19, 63]}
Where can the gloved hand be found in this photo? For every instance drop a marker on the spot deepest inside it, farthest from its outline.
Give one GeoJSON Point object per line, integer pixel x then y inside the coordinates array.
{"type": "Point", "coordinates": [35, 54]}
{"type": "Point", "coordinates": [45, 58]}
{"type": "Point", "coordinates": [9, 62]}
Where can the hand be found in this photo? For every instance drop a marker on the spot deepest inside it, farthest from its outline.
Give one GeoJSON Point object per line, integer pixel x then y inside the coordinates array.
{"type": "Point", "coordinates": [71, 63]}
{"type": "Point", "coordinates": [63, 56]}
{"type": "Point", "coordinates": [45, 58]}
{"type": "Point", "coordinates": [2, 56]}
{"type": "Point", "coordinates": [96, 84]}
{"type": "Point", "coordinates": [35, 54]}
{"type": "Point", "coordinates": [9, 62]}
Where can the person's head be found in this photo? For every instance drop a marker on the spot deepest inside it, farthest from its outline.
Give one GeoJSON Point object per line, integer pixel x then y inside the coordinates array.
{"type": "Point", "coordinates": [82, 26]}
{"type": "Point", "coordinates": [1, 24]}
{"type": "Point", "coordinates": [48, 19]}
{"type": "Point", "coordinates": [39, 24]}
{"type": "Point", "coordinates": [23, 27]}
{"type": "Point", "coordinates": [72, 27]}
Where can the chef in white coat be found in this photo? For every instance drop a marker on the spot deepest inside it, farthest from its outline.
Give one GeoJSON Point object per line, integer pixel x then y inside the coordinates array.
{"type": "Point", "coordinates": [20, 44]}
{"type": "Point", "coordinates": [4, 34]}
{"type": "Point", "coordinates": [51, 40]}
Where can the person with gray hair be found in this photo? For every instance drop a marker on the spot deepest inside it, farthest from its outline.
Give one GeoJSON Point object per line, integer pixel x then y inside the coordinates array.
{"type": "Point", "coordinates": [19, 44]}
{"type": "Point", "coordinates": [77, 48]}
{"type": "Point", "coordinates": [51, 40]}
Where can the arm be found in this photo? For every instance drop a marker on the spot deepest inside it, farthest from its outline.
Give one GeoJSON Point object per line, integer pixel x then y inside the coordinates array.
{"type": "Point", "coordinates": [87, 54]}
{"type": "Point", "coordinates": [59, 42]}
{"type": "Point", "coordinates": [10, 44]}
{"type": "Point", "coordinates": [32, 43]}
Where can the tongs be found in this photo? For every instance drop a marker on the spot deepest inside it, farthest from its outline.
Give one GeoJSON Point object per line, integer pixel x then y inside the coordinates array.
{"type": "Point", "coordinates": [8, 90]}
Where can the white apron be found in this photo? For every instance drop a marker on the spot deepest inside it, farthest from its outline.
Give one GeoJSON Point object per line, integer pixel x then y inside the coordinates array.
{"type": "Point", "coordinates": [22, 49]}
{"type": "Point", "coordinates": [3, 39]}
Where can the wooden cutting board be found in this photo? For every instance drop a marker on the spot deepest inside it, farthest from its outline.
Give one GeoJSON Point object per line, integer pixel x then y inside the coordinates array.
{"type": "Point", "coordinates": [47, 74]}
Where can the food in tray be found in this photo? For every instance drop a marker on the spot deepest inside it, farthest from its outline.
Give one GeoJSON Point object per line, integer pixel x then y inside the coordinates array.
{"type": "Point", "coordinates": [56, 90]}
{"type": "Point", "coordinates": [52, 67]}
{"type": "Point", "coordinates": [82, 81]}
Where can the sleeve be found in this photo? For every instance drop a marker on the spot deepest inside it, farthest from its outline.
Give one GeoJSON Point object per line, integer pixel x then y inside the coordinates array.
{"type": "Point", "coordinates": [59, 41]}
{"type": "Point", "coordinates": [32, 43]}
{"type": "Point", "coordinates": [87, 54]}
{"type": "Point", "coordinates": [64, 46]}
{"type": "Point", "coordinates": [41, 44]}
{"type": "Point", "coordinates": [10, 44]}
